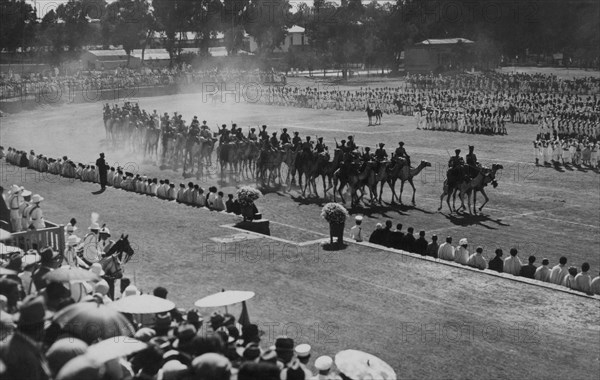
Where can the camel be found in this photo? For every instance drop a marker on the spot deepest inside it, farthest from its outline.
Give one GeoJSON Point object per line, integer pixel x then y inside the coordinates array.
{"type": "Point", "coordinates": [358, 180]}
{"type": "Point", "coordinates": [326, 171]}
{"type": "Point", "coordinates": [405, 173]}
{"type": "Point", "coordinates": [151, 142]}
{"type": "Point", "coordinates": [270, 161]}
{"type": "Point", "coordinates": [477, 183]}
{"type": "Point", "coordinates": [289, 159]}
{"type": "Point", "coordinates": [306, 164]}
{"type": "Point", "coordinates": [193, 149]}
{"type": "Point", "coordinates": [228, 154]}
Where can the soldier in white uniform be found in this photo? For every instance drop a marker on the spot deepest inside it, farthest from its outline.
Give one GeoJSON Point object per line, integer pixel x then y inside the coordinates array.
{"type": "Point", "coordinates": [14, 203]}
{"type": "Point", "coordinates": [36, 213]}
{"type": "Point", "coordinates": [104, 243]}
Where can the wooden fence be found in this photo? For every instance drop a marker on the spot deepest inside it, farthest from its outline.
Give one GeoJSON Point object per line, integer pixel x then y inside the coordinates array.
{"type": "Point", "coordinates": [53, 235]}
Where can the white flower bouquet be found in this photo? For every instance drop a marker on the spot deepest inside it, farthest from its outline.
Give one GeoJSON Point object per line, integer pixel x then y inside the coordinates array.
{"type": "Point", "coordinates": [334, 213]}
{"type": "Point", "coordinates": [246, 195]}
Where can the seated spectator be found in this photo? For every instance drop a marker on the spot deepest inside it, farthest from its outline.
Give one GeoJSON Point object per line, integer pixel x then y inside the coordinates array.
{"type": "Point", "coordinates": [496, 263]}
{"type": "Point", "coordinates": [229, 203]}
{"type": "Point", "coordinates": [583, 281]}
{"type": "Point", "coordinates": [559, 272]}
{"type": "Point", "coordinates": [409, 240]}
{"type": "Point", "coordinates": [421, 243]}
{"type": "Point", "coordinates": [446, 251]}
{"type": "Point", "coordinates": [377, 235]}
{"type": "Point", "coordinates": [528, 270]}
{"type": "Point", "coordinates": [387, 234]}
{"type": "Point", "coordinates": [569, 280]}
{"type": "Point", "coordinates": [595, 285]}
{"type": "Point", "coordinates": [432, 248]}
{"type": "Point", "coordinates": [218, 203]}
{"type": "Point", "coordinates": [397, 237]}
{"type": "Point", "coordinates": [477, 260]}
{"type": "Point", "coordinates": [461, 255]}
{"type": "Point", "coordinates": [543, 272]}
{"type": "Point", "coordinates": [512, 264]}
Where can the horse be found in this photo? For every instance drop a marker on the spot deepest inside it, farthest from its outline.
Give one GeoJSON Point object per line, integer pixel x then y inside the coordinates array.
{"type": "Point", "coordinates": [113, 260]}
{"type": "Point", "coordinates": [377, 113]}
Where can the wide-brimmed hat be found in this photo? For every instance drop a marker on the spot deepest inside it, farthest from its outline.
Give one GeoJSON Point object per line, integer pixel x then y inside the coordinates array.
{"type": "Point", "coordinates": [131, 290]}
{"type": "Point", "coordinates": [25, 193]}
{"type": "Point", "coordinates": [302, 350]}
{"type": "Point", "coordinates": [104, 231]}
{"type": "Point", "coordinates": [96, 268]}
{"type": "Point", "coordinates": [73, 240]}
{"type": "Point", "coordinates": [14, 189]}
{"type": "Point", "coordinates": [323, 363]}
{"type": "Point", "coordinates": [94, 226]}
{"type": "Point", "coordinates": [463, 241]}
{"type": "Point", "coordinates": [36, 198]}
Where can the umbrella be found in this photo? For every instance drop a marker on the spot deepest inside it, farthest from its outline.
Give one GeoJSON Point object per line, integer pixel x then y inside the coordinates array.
{"type": "Point", "coordinates": [359, 365]}
{"type": "Point", "coordinates": [224, 298]}
{"type": "Point", "coordinates": [4, 234]}
{"type": "Point", "coordinates": [4, 271]}
{"type": "Point", "coordinates": [116, 347]}
{"type": "Point", "coordinates": [90, 321]}
{"type": "Point", "coordinates": [68, 274]}
{"type": "Point", "coordinates": [142, 304]}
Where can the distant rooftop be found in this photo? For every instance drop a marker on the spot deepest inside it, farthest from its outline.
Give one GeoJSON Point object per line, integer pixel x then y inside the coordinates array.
{"type": "Point", "coordinates": [445, 41]}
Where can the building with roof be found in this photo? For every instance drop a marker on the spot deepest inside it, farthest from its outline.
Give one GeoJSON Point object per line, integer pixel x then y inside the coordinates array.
{"type": "Point", "coordinates": [295, 39]}
{"type": "Point", "coordinates": [439, 55]}
{"type": "Point", "coordinates": [107, 59]}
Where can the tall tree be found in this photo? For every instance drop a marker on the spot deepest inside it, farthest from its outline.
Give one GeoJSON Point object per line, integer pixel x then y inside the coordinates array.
{"type": "Point", "coordinates": [17, 26]}
{"type": "Point", "coordinates": [129, 19]}
{"type": "Point", "coordinates": [267, 22]}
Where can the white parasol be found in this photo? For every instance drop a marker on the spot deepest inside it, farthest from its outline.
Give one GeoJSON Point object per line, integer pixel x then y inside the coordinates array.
{"type": "Point", "coordinates": [359, 365]}
{"type": "Point", "coordinates": [224, 298]}
{"type": "Point", "coordinates": [142, 304]}
{"type": "Point", "coordinates": [4, 234]}
{"type": "Point", "coordinates": [113, 348]}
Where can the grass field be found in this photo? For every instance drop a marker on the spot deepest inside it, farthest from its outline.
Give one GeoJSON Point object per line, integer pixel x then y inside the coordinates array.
{"type": "Point", "coordinates": [426, 319]}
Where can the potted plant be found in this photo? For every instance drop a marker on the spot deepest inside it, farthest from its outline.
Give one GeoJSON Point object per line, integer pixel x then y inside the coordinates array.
{"type": "Point", "coordinates": [335, 214]}
{"type": "Point", "coordinates": [246, 196]}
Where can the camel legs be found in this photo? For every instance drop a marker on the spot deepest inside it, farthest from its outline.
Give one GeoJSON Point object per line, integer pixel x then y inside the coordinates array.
{"type": "Point", "coordinates": [486, 200]}
{"type": "Point", "coordinates": [414, 190]}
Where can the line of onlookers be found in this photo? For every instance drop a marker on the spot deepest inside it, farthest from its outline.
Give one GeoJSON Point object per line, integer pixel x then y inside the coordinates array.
{"type": "Point", "coordinates": [560, 274]}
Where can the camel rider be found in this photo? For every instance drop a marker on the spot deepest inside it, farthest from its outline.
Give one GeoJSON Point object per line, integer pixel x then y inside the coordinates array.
{"type": "Point", "coordinates": [205, 131]}
{"type": "Point", "coordinates": [252, 135]}
{"type": "Point", "coordinates": [284, 137]}
{"type": "Point", "coordinates": [471, 158]}
{"type": "Point", "coordinates": [380, 153]}
{"type": "Point", "coordinates": [307, 145]}
{"type": "Point", "coordinates": [350, 145]}
{"type": "Point", "coordinates": [239, 133]}
{"type": "Point", "coordinates": [195, 127]}
{"type": "Point", "coordinates": [456, 161]}
{"type": "Point", "coordinates": [341, 146]}
{"type": "Point", "coordinates": [164, 121]}
{"type": "Point", "coordinates": [263, 134]}
{"type": "Point", "coordinates": [401, 152]}
{"type": "Point", "coordinates": [274, 141]}
{"type": "Point", "coordinates": [90, 253]}
{"type": "Point", "coordinates": [367, 155]}
{"type": "Point", "coordinates": [104, 243]}
{"type": "Point", "coordinates": [233, 129]}
{"type": "Point", "coordinates": [204, 125]}
{"type": "Point", "coordinates": [320, 147]}
{"type": "Point", "coordinates": [296, 140]}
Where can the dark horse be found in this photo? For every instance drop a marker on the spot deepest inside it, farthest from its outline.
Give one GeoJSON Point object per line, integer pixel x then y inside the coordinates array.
{"type": "Point", "coordinates": [377, 113]}
{"type": "Point", "coordinates": [112, 261]}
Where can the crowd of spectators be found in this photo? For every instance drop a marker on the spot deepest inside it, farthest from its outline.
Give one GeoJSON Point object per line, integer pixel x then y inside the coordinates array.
{"type": "Point", "coordinates": [560, 274]}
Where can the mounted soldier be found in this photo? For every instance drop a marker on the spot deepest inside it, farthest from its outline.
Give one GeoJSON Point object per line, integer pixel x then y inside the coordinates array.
{"type": "Point", "coordinates": [296, 141]}
{"type": "Point", "coordinates": [252, 135]}
{"type": "Point", "coordinates": [401, 152]}
{"type": "Point", "coordinates": [380, 153]}
{"type": "Point", "coordinates": [320, 147]}
{"type": "Point", "coordinates": [472, 164]}
{"type": "Point", "coordinates": [263, 134]}
{"type": "Point", "coordinates": [284, 137]}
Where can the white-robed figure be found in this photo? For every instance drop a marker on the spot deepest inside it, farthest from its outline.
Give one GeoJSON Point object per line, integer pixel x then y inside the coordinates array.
{"type": "Point", "coordinates": [90, 252]}
{"type": "Point", "coordinates": [14, 203]}
{"type": "Point", "coordinates": [104, 243]}
{"type": "Point", "coordinates": [36, 214]}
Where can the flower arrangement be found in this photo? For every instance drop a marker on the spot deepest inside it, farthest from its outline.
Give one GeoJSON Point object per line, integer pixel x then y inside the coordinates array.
{"type": "Point", "coordinates": [246, 195]}
{"type": "Point", "coordinates": [334, 213]}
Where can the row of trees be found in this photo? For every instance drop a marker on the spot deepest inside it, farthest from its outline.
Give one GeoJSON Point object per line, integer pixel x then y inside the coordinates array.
{"type": "Point", "coordinates": [351, 31]}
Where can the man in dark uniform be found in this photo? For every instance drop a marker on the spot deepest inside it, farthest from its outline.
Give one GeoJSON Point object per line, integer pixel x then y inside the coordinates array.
{"type": "Point", "coordinates": [367, 155]}
{"type": "Point", "coordinates": [284, 138]}
{"type": "Point", "coordinates": [263, 134]}
{"type": "Point", "coordinates": [102, 170]}
{"type": "Point", "coordinates": [401, 152]}
{"type": "Point", "coordinates": [307, 145]}
{"type": "Point", "coordinates": [473, 165]}
{"type": "Point", "coordinates": [342, 146]}
{"type": "Point", "coordinates": [296, 140]}
{"type": "Point", "coordinates": [351, 146]}
{"type": "Point", "coordinates": [320, 147]}
{"type": "Point", "coordinates": [456, 161]}
{"type": "Point", "coordinates": [380, 153]}
{"type": "Point", "coordinates": [195, 127]}
{"type": "Point", "coordinates": [274, 141]}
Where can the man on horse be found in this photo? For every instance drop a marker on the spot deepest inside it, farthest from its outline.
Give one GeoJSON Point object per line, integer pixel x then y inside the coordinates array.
{"type": "Point", "coordinates": [90, 254]}
{"type": "Point", "coordinates": [104, 243]}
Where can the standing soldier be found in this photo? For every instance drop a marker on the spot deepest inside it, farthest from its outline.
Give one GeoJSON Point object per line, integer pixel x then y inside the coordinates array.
{"type": "Point", "coordinates": [36, 214]}
{"type": "Point", "coordinates": [102, 171]}
{"type": "Point", "coordinates": [14, 203]}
